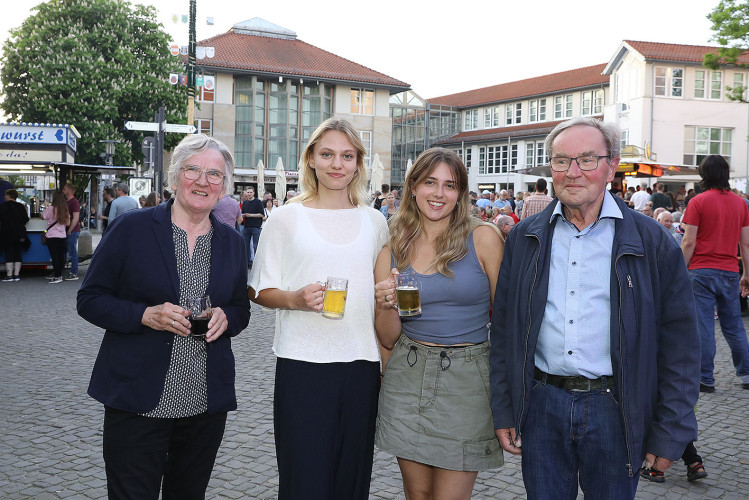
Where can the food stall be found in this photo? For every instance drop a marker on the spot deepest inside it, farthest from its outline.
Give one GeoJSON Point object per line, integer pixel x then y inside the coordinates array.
{"type": "Point", "coordinates": [43, 156]}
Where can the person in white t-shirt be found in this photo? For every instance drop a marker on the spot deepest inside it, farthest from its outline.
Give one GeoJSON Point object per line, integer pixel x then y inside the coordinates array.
{"type": "Point", "coordinates": [327, 371]}
{"type": "Point", "coordinates": [641, 197]}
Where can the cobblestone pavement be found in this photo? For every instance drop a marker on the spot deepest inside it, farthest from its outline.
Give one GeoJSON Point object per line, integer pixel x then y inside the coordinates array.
{"type": "Point", "coordinates": [50, 442]}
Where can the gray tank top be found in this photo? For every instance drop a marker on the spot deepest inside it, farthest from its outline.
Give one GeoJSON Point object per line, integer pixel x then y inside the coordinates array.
{"type": "Point", "coordinates": [453, 310]}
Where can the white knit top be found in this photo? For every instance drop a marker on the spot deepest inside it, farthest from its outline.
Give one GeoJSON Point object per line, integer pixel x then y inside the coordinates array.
{"type": "Point", "coordinates": [301, 245]}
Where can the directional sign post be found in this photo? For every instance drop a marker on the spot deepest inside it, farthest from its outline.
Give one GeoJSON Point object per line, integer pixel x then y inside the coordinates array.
{"type": "Point", "coordinates": [180, 129]}
{"type": "Point", "coordinates": [159, 126]}
{"type": "Point", "coordinates": [143, 126]}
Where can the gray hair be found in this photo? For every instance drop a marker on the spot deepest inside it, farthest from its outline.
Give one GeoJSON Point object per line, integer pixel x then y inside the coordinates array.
{"type": "Point", "coordinates": [677, 216]}
{"type": "Point", "coordinates": [611, 134]}
{"type": "Point", "coordinates": [122, 186]}
{"type": "Point", "coordinates": [194, 144]}
{"type": "Point", "coordinates": [663, 214]}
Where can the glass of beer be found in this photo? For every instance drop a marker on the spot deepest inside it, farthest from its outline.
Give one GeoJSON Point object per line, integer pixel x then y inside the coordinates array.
{"type": "Point", "coordinates": [407, 293]}
{"type": "Point", "coordinates": [334, 300]}
{"type": "Point", "coordinates": [200, 315]}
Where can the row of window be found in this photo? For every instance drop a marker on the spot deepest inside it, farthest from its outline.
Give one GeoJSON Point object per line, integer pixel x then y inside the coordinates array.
{"type": "Point", "coordinates": [669, 82]}
{"type": "Point", "coordinates": [698, 143]}
{"type": "Point", "coordinates": [590, 104]}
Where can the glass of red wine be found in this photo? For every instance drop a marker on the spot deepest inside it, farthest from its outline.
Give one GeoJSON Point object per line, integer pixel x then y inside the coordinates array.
{"type": "Point", "coordinates": [200, 315]}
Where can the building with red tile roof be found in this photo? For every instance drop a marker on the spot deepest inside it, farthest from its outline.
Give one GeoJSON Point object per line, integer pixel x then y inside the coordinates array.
{"type": "Point", "coordinates": [671, 109]}
{"type": "Point", "coordinates": [262, 91]}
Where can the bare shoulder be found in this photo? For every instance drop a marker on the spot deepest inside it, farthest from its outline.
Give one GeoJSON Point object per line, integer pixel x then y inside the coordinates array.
{"type": "Point", "coordinates": [486, 235]}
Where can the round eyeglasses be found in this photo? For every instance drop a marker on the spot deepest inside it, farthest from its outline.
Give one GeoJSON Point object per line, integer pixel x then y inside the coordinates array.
{"type": "Point", "coordinates": [193, 173]}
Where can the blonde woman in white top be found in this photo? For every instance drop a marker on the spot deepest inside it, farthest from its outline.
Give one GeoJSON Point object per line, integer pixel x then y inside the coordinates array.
{"type": "Point", "coordinates": [327, 371]}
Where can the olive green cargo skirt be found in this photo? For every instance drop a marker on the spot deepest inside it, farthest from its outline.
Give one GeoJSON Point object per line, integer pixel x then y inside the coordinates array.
{"type": "Point", "coordinates": [435, 408]}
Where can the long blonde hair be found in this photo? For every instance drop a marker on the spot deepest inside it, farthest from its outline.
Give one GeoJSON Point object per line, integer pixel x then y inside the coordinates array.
{"type": "Point", "coordinates": [357, 189]}
{"type": "Point", "coordinates": [406, 224]}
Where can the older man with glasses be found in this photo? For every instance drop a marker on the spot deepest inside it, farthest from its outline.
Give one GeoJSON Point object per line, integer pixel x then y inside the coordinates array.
{"type": "Point", "coordinates": [590, 394]}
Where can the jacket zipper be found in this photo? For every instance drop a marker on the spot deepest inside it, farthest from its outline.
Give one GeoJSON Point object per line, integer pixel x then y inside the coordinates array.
{"type": "Point", "coordinates": [621, 358]}
{"type": "Point", "coordinates": [528, 331]}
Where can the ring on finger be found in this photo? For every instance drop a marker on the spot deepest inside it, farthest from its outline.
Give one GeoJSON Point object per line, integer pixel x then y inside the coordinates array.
{"type": "Point", "coordinates": [173, 323]}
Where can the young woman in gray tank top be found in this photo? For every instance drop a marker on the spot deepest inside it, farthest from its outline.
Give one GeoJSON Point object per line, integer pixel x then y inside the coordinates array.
{"type": "Point", "coordinates": [434, 407]}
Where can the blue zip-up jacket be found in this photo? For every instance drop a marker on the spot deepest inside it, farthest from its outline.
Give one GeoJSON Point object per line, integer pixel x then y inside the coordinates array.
{"type": "Point", "coordinates": [655, 352]}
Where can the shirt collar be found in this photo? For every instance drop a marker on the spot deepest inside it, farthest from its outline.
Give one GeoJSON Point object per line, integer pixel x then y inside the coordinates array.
{"type": "Point", "coordinates": [609, 209]}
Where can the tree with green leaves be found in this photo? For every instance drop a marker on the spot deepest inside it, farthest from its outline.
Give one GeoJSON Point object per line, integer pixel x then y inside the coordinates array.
{"type": "Point", "coordinates": [731, 27]}
{"type": "Point", "coordinates": [94, 64]}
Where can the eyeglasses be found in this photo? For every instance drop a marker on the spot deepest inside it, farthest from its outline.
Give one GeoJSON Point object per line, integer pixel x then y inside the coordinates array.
{"type": "Point", "coordinates": [588, 162]}
{"type": "Point", "coordinates": [193, 173]}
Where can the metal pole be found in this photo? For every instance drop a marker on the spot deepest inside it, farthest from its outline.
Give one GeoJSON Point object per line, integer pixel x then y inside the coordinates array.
{"type": "Point", "coordinates": [191, 67]}
{"type": "Point", "coordinates": [159, 151]}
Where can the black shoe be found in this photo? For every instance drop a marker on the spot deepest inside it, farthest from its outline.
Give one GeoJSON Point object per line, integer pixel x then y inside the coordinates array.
{"type": "Point", "coordinates": [711, 388]}
{"type": "Point", "coordinates": [745, 386]}
{"type": "Point", "coordinates": [696, 472]}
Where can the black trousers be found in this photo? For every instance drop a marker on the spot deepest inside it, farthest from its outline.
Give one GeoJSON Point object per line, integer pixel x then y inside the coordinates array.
{"type": "Point", "coordinates": [324, 416]}
{"type": "Point", "coordinates": [58, 252]}
{"type": "Point", "coordinates": [141, 452]}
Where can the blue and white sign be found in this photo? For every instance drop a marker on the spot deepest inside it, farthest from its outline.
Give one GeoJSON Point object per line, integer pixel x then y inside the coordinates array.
{"type": "Point", "coordinates": [38, 133]}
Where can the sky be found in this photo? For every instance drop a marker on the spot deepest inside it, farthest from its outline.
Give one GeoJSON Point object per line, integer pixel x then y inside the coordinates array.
{"type": "Point", "coordinates": [441, 48]}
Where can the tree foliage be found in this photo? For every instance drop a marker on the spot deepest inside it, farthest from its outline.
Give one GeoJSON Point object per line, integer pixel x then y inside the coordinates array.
{"type": "Point", "coordinates": [94, 64]}
{"type": "Point", "coordinates": [730, 23]}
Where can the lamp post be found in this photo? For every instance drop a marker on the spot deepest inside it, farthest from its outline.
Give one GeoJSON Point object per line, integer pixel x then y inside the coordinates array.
{"type": "Point", "coordinates": [109, 151]}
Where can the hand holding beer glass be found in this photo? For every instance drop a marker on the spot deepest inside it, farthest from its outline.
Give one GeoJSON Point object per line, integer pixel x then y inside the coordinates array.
{"type": "Point", "coordinates": [200, 315]}
{"type": "Point", "coordinates": [407, 295]}
{"type": "Point", "coordinates": [334, 299]}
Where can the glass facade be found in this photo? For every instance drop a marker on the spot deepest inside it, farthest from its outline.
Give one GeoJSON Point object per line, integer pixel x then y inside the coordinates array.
{"type": "Point", "coordinates": [269, 124]}
{"type": "Point", "coordinates": [416, 126]}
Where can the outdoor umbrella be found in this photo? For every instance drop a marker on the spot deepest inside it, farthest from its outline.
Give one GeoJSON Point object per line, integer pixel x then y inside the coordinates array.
{"type": "Point", "coordinates": [280, 182]}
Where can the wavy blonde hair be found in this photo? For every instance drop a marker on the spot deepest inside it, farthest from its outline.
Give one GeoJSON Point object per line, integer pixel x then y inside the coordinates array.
{"type": "Point", "coordinates": [357, 188]}
{"type": "Point", "coordinates": [406, 225]}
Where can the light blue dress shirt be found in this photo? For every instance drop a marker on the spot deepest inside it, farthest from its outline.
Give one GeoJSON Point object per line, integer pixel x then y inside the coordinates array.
{"type": "Point", "coordinates": [575, 333]}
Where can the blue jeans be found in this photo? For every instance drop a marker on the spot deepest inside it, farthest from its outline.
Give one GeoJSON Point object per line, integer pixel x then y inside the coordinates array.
{"type": "Point", "coordinates": [72, 242]}
{"type": "Point", "coordinates": [715, 287]}
{"type": "Point", "coordinates": [572, 436]}
{"type": "Point", "coordinates": [251, 235]}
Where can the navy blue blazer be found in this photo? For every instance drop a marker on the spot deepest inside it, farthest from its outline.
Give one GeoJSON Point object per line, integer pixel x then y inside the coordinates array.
{"type": "Point", "coordinates": [135, 267]}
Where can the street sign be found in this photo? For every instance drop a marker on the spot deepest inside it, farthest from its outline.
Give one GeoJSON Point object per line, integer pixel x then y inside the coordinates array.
{"type": "Point", "coordinates": [145, 126]}
{"type": "Point", "coordinates": [180, 129]}
{"type": "Point", "coordinates": [148, 147]}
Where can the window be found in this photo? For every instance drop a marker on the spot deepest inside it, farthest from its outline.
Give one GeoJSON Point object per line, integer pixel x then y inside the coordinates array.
{"type": "Point", "coordinates": [362, 102]}
{"type": "Point", "coordinates": [530, 154]}
{"type": "Point", "coordinates": [537, 110]}
{"type": "Point", "coordinates": [592, 102]}
{"type": "Point", "coordinates": [491, 117]}
{"type": "Point", "coordinates": [499, 159]}
{"type": "Point", "coordinates": [669, 82]}
{"type": "Point", "coordinates": [702, 141]}
{"type": "Point", "coordinates": [707, 84]}
{"type": "Point", "coordinates": [513, 113]}
{"type": "Point", "coordinates": [625, 138]}
{"type": "Point", "coordinates": [366, 139]}
{"type": "Point", "coordinates": [275, 119]}
{"type": "Point", "coordinates": [467, 159]}
{"type": "Point", "coordinates": [471, 119]}
{"type": "Point", "coordinates": [482, 160]}
{"type": "Point", "coordinates": [563, 106]}
{"type": "Point", "coordinates": [204, 126]}
{"type": "Point", "coordinates": [739, 87]}
{"type": "Point", "coordinates": [206, 92]}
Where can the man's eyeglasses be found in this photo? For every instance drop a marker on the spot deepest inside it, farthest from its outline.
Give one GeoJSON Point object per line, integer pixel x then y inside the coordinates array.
{"type": "Point", "coordinates": [193, 173]}
{"type": "Point", "coordinates": [588, 162]}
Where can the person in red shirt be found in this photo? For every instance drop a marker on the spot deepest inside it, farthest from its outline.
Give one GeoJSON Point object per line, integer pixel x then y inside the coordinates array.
{"type": "Point", "coordinates": [715, 224]}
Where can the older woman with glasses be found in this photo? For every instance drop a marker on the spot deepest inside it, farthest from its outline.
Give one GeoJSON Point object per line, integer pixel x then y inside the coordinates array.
{"type": "Point", "coordinates": [166, 391]}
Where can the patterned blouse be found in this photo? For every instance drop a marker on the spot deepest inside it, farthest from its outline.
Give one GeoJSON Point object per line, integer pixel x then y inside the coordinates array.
{"type": "Point", "coordinates": [185, 390]}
